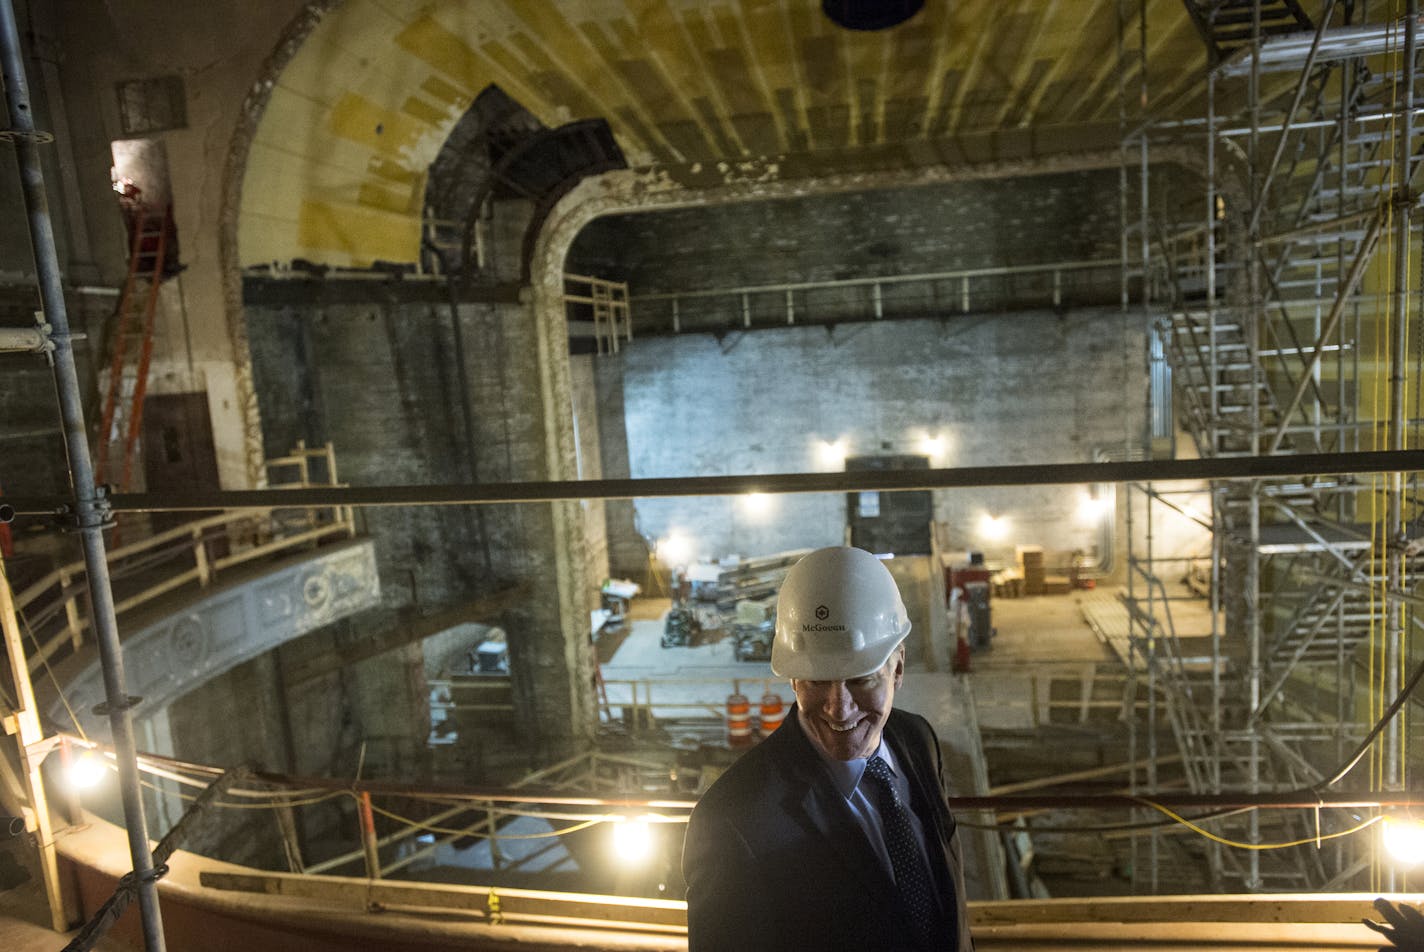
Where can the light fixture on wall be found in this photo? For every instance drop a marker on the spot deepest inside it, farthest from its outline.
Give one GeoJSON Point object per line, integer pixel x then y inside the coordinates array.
{"type": "Point", "coordinates": [1097, 504]}
{"type": "Point", "coordinates": [832, 453]}
{"type": "Point", "coordinates": [674, 549]}
{"type": "Point", "coordinates": [992, 527]}
{"type": "Point", "coordinates": [756, 505]}
{"type": "Point", "coordinates": [933, 446]}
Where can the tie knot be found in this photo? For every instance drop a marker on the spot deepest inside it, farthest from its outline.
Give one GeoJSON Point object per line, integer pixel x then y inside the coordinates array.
{"type": "Point", "coordinates": [878, 769]}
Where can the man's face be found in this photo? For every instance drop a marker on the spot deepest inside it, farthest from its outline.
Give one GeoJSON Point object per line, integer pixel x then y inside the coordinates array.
{"type": "Point", "coordinates": [844, 719]}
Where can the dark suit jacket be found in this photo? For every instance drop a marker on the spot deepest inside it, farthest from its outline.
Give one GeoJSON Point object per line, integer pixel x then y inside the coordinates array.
{"type": "Point", "coordinates": [775, 860]}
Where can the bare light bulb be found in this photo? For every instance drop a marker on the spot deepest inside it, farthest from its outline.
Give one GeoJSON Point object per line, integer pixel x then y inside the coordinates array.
{"type": "Point", "coordinates": [86, 771]}
{"type": "Point", "coordinates": [633, 840]}
{"type": "Point", "coordinates": [1404, 840]}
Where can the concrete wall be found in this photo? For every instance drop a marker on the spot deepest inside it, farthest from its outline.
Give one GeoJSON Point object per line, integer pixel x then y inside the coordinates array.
{"type": "Point", "coordinates": [1022, 388]}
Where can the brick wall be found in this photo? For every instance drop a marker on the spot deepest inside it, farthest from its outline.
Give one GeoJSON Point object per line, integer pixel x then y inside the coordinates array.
{"type": "Point", "coordinates": [971, 224]}
{"type": "Point", "coordinates": [1023, 388]}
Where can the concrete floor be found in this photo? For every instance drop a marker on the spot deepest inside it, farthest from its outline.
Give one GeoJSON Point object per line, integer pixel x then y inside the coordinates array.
{"type": "Point", "coordinates": [1038, 638]}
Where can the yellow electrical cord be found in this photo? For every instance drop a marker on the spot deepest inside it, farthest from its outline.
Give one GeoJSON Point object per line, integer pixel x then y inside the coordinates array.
{"type": "Point", "coordinates": [1256, 846]}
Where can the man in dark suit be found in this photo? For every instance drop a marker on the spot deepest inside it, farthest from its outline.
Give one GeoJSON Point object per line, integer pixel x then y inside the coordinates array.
{"type": "Point", "coordinates": [834, 832]}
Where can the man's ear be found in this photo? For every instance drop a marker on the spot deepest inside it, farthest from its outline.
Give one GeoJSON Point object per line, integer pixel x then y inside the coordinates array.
{"type": "Point", "coordinates": [899, 659]}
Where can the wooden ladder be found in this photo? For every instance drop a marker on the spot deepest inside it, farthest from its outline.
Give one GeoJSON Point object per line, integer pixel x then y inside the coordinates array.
{"type": "Point", "coordinates": [134, 320]}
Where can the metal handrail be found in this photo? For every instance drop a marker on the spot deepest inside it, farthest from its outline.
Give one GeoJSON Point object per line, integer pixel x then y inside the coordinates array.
{"type": "Point", "coordinates": [180, 556]}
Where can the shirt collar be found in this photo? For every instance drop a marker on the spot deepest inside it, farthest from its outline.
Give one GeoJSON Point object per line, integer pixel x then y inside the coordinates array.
{"type": "Point", "coordinates": [846, 774]}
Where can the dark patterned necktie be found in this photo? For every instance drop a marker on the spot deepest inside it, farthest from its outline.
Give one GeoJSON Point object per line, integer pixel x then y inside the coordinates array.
{"type": "Point", "coordinates": [907, 860]}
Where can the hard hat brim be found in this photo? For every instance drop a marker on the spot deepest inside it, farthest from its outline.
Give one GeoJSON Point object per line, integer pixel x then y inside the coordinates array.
{"type": "Point", "coordinates": [832, 667]}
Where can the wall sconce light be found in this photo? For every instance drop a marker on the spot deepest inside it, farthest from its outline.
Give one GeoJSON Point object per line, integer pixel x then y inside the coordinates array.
{"type": "Point", "coordinates": [933, 447]}
{"type": "Point", "coordinates": [992, 527]}
{"type": "Point", "coordinates": [756, 505]}
{"type": "Point", "coordinates": [832, 453]}
{"type": "Point", "coordinates": [1097, 505]}
{"type": "Point", "coordinates": [674, 549]}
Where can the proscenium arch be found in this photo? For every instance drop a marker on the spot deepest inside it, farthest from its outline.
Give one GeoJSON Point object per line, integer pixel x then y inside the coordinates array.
{"type": "Point", "coordinates": [649, 190]}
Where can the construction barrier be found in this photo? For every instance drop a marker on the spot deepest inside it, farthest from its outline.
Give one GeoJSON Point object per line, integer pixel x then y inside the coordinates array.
{"type": "Point", "coordinates": [739, 721]}
{"type": "Point", "coordinates": [773, 712]}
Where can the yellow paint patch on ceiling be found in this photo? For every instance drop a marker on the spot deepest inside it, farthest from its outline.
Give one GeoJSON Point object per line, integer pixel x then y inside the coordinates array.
{"type": "Point", "coordinates": [369, 98]}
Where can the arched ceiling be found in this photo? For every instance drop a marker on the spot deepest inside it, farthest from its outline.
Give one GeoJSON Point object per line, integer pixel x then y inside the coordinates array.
{"type": "Point", "coordinates": [336, 169]}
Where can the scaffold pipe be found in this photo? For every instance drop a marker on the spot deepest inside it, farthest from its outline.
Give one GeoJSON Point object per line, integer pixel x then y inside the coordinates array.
{"type": "Point", "coordinates": [89, 506]}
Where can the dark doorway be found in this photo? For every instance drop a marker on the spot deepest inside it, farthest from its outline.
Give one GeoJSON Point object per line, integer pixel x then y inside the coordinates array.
{"type": "Point", "coordinates": [897, 522]}
{"type": "Point", "coordinates": [178, 454]}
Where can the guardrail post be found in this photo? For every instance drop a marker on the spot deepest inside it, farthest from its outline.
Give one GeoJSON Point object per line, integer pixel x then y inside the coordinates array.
{"type": "Point", "coordinates": [291, 844]}
{"type": "Point", "coordinates": [368, 835]}
{"type": "Point", "coordinates": [496, 855]}
{"type": "Point", "coordinates": [200, 557]}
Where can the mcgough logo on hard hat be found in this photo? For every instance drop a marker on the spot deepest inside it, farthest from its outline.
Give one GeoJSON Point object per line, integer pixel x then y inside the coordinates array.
{"type": "Point", "coordinates": [856, 589]}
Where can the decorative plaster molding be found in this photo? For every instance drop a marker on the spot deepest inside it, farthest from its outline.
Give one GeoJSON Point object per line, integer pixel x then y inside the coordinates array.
{"type": "Point", "coordinates": [180, 652]}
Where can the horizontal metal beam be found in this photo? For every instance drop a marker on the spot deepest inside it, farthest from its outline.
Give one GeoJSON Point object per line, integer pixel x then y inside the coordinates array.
{"type": "Point", "coordinates": [1044, 474]}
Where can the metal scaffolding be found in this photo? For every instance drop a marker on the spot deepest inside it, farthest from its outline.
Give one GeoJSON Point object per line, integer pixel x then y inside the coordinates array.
{"type": "Point", "coordinates": [1283, 301]}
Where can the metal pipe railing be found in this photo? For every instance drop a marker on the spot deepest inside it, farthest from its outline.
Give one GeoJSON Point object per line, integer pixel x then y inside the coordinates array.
{"type": "Point", "coordinates": [90, 510]}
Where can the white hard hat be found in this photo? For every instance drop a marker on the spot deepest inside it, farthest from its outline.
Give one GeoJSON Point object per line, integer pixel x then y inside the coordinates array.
{"type": "Point", "coordinates": [839, 616]}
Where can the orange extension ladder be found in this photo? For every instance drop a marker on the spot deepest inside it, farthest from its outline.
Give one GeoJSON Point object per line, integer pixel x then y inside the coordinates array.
{"type": "Point", "coordinates": [134, 319]}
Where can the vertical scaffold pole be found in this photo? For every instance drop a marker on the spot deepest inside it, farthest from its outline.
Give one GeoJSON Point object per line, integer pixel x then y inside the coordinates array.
{"type": "Point", "coordinates": [1399, 358]}
{"type": "Point", "coordinates": [90, 508]}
